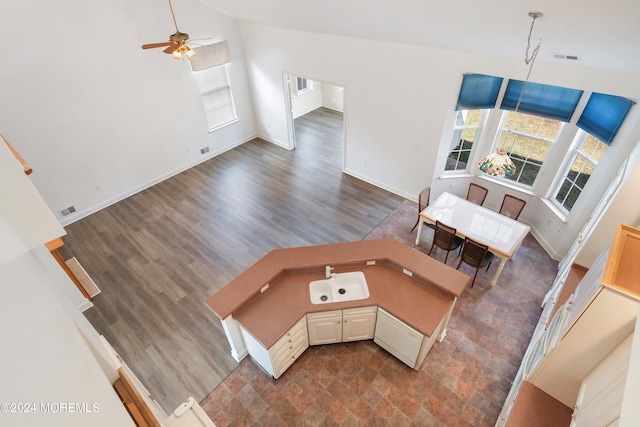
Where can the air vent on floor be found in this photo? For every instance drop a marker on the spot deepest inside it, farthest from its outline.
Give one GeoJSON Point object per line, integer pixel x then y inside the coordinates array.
{"type": "Point", "coordinates": [566, 57]}
{"type": "Point", "coordinates": [68, 211]}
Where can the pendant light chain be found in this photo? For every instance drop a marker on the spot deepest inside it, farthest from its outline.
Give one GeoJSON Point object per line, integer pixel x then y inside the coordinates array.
{"type": "Point", "coordinates": [499, 163]}
{"type": "Point", "coordinates": [529, 60]}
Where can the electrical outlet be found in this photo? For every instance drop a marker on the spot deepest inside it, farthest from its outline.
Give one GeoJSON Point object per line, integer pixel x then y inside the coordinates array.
{"type": "Point", "coordinates": [204, 150]}
{"type": "Point", "coordinates": [67, 211]}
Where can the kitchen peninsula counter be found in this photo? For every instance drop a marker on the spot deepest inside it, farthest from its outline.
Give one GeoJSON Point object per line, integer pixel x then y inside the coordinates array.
{"type": "Point", "coordinates": [273, 294]}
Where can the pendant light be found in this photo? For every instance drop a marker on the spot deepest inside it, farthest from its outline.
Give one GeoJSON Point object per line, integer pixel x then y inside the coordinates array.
{"type": "Point", "coordinates": [499, 163]}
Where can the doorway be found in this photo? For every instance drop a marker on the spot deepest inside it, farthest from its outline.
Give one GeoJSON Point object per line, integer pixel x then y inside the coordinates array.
{"type": "Point", "coordinates": [316, 111]}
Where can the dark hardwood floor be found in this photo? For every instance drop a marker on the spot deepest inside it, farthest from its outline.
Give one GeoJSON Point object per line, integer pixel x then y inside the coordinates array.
{"type": "Point", "coordinates": [159, 254]}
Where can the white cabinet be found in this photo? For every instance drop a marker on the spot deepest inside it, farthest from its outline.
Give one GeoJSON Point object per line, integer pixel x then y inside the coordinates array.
{"type": "Point", "coordinates": [283, 353]}
{"type": "Point", "coordinates": [335, 326]}
{"type": "Point", "coordinates": [600, 398]}
{"type": "Point", "coordinates": [359, 323]}
{"type": "Point", "coordinates": [325, 327]}
{"type": "Point", "coordinates": [398, 338]}
{"type": "Point", "coordinates": [598, 318]}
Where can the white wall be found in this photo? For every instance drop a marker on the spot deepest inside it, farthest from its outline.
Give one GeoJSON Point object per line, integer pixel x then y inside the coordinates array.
{"type": "Point", "coordinates": [45, 358]}
{"type": "Point", "coordinates": [21, 204]}
{"type": "Point", "coordinates": [624, 209]}
{"type": "Point", "coordinates": [399, 102]}
{"type": "Point", "coordinates": [307, 101]}
{"type": "Point", "coordinates": [333, 97]}
{"type": "Point", "coordinates": [97, 117]}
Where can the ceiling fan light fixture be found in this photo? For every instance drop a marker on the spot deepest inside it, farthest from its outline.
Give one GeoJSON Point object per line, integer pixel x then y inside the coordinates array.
{"type": "Point", "coordinates": [183, 51]}
{"type": "Point", "coordinates": [177, 44]}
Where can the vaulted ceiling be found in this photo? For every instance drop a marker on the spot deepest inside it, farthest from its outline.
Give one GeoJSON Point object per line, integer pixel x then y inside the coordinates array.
{"type": "Point", "coordinates": [602, 34]}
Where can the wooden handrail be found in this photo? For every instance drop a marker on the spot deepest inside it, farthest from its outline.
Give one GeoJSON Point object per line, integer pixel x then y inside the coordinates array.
{"type": "Point", "coordinates": [53, 249]}
{"type": "Point", "coordinates": [25, 165]}
{"type": "Point", "coordinates": [133, 402]}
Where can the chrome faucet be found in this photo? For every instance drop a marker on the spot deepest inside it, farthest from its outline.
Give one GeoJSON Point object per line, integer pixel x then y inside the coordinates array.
{"type": "Point", "coordinates": [327, 272]}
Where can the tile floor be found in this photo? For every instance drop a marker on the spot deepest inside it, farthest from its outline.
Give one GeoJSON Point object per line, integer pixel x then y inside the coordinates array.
{"type": "Point", "coordinates": [463, 381]}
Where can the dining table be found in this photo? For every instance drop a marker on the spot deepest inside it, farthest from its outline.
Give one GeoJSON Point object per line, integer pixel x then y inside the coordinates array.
{"type": "Point", "coordinates": [503, 235]}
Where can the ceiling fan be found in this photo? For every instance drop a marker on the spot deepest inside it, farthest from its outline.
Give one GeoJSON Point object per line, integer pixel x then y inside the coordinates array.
{"type": "Point", "coordinates": [177, 44]}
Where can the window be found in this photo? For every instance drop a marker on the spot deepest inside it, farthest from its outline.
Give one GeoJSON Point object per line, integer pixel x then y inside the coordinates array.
{"type": "Point", "coordinates": [216, 95]}
{"type": "Point", "coordinates": [302, 85]}
{"type": "Point", "coordinates": [465, 132]}
{"type": "Point", "coordinates": [527, 140]}
{"type": "Point", "coordinates": [586, 155]}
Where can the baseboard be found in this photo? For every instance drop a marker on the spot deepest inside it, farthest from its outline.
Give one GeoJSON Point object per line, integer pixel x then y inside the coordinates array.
{"type": "Point", "coordinates": [93, 209]}
{"type": "Point", "coordinates": [545, 245]}
{"type": "Point", "coordinates": [378, 184]}
{"type": "Point", "coordinates": [85, 305]}
{"type": "Point", "coordinates": [279, 143]}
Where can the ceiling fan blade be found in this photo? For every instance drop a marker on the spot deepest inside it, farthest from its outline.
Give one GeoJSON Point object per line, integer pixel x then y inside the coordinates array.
{"type": "Point", "coordinates": [154, 45]}
{"type": "Point", "coordinates": [171, 48]}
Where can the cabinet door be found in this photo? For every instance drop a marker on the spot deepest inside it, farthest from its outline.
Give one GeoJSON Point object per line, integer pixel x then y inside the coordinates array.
{"type": "Point", "coordinates": [398, 338]}
{"type": "Point", "coordinates": [600, 398]}
{"type": "Point", "coordinates": [325, 327]}
{"type": "Point", "coordinates": [358, 324]}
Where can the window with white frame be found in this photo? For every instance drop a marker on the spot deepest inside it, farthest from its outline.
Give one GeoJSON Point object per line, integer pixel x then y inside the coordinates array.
{"type": "Point", "coordinates": [465, 131]}
{"type": "Point", "coordinates": [217, 98]}
{"type": "Point", "coordinates": [527, 140]}
{"type": "Point", "coordinates": [584, 158]}
{"type": "Point", "coordinates": [302, 85]}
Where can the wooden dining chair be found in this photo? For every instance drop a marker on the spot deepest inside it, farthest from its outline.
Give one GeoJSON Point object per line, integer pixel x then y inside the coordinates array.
{"type": "Point", "coordinates": [476, 255]}
{"type": "Point", "coordinates": [445, 238]}
{"type": "Point", "coordinates": [423, 203]}
{"type": "Point", "coordinates": [512, 206]}
{"type": "Point", "coordinates": [476, 194]}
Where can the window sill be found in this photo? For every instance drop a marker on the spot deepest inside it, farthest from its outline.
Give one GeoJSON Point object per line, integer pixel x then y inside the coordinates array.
{"type": "Point", "coordinates": [508, 184]}
{"type": "Point", "coordinates": [456, 175]}
{"type": "Point", "coordinates": [223, 125]}
{"type": "Point", "coordinates": [562, 216]}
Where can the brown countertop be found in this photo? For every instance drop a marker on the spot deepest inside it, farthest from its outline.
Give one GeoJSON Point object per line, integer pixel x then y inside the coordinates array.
{"type": "Point", "coordinates": [420, 301]}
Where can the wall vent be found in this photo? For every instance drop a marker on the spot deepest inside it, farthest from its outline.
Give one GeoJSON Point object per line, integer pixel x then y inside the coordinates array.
{"type": "Point", "coordinates": [566, 57]}
{"type": "Point", "coordinates": [68, 211]}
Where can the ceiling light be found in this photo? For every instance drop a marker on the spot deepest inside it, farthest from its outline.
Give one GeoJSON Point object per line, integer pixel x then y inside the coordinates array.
{"type": "Point", "coordinates": [182, 51]}
{"type": "Point", "coordinates": [499, 163]}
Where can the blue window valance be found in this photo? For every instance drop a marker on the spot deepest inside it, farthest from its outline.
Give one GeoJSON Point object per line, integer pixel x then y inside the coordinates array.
{"type": "Point", "coordinates": [603, 116]}
{"type": "Point", "coordinates": [552, 102]}
{"type": "Point", "coordinates": [478, 91]}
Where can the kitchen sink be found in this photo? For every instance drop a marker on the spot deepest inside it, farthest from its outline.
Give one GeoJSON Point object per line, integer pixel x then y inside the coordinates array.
{"type": "Point", "coordinates": [339, 287]}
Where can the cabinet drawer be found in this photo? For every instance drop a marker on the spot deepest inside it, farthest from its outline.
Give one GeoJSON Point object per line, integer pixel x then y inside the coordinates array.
{"type": "Point", "coordinates": [359, 310]}
{"type": "Point", "coordinates": [284, 347]}
{"type": "Point", "coordinates": [284, 360]}
{"type": "Point", "coordinates": [295, 335]}
{"type": "Point", "coordinates": [324, 315]}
